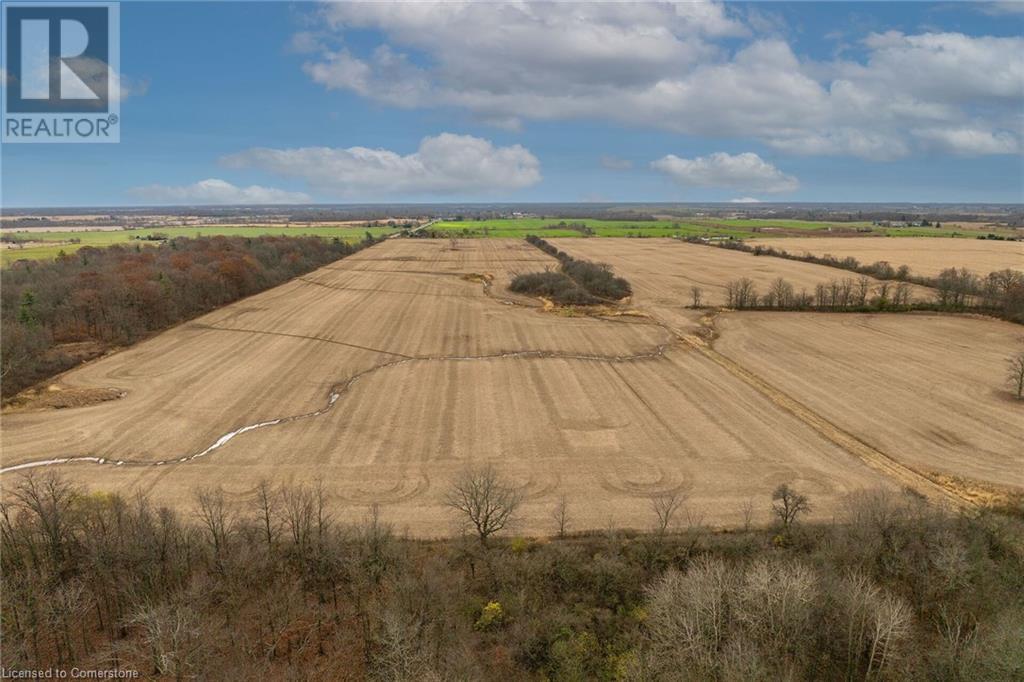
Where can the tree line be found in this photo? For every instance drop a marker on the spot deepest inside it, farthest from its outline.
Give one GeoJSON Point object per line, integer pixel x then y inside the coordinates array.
{"type": "Point", "coordinates": [577, 281]}
{"type": "Point", "coordinates": [1000, 293]}
{"type": "Point", "coordinates": [95, 299]}
{"type": "Point", "coordinates": [849, 295]}
{"type": "Point", "coordinates": [272, 585]}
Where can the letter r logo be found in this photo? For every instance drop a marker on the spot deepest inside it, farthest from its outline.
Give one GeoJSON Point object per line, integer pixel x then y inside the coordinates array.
{"type": "Point", "coordinates": [57, 58]}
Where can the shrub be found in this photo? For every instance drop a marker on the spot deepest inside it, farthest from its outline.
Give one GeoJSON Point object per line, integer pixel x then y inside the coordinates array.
{"type": "Point", "coordinates": [579, 282]}
{"type": "Point", "coordinates": [491, 615]}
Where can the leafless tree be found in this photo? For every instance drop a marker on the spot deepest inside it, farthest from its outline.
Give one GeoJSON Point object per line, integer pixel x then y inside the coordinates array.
{"type": "Point", "coordinates": [863, 289]}
{"type": "Point", "coordinates": [173, 635]}
{"type": "Point", "coordinates": [788, 504]}
{"type": "Point", "coordinates": [375, 546]}
{"type": "Point", "coordinates": [1015, 374]}
{"type": "Point", "coordinates": [486, 498]}
{"type": "Point", "coordinates": [50, 499]}
{"type": "Point", "coordinates": [890, 626]}
{"type": "Point", "coordinates": [665, 507]}
{"type": "Point", "coordinates": [216, 517]}
{"type": "Point", "coordinates": [741, 293]}
{"type": "Point", "coordinates": [561, 515]}
{"type": "Point", "coordinates": [775, 603]}
{"type": "Point", "coordinates": [747, 509]}
{"type": "Point", "coordinates": [688, 616]}
{"type": "Point", "coordinates": [298, 515]}
{"type": "Point", "coordinates": [266, 507]}
{"type": "Point", "coordinates": [697, 296]}
{"type": "Point", "coordinates": [881, 298]}
{"type": "Point", "coordinates": [901, 294]}
{"type": "Point", "coordinates": [781, 293]}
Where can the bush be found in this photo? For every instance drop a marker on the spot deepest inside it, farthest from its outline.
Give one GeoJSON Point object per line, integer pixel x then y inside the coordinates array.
{"type": "Point", "coordinates": [579, 282]}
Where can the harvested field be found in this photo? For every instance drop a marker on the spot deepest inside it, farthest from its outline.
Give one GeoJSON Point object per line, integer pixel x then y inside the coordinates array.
{"type": "Point", "coordinates": [662, 271]}
{"type": "Point", "coordinates": [385, 373]}
{"type": "Point", "coordinates": [925, 389]}
{"type": "Point", "coordinates": [926, 256]}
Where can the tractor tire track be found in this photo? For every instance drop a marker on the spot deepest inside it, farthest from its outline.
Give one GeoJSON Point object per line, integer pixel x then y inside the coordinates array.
{"type": "Point", "coordinates": [872, 457]}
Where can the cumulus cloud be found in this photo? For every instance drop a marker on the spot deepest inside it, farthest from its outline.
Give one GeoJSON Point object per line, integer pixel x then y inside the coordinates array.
{"type": "Point", "coordinates": [745, 200]}
{"type": "Point", "coordinates": [216, 191]}
{"type": "Point", "coordinates": [615, 163]}
{"type": "Point", "coordinates": [746, 171]}
{"type": "Point", "coordinates": [445, 164]}
{"type": "Point", "coordinates": [665, 65]}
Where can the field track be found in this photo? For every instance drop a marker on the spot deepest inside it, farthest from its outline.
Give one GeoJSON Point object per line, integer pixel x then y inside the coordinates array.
{"type": "Point", "coordinates": [386, 373]}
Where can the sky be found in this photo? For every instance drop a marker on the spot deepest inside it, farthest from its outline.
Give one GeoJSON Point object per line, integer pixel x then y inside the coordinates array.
{"type": "Point", "coordinates": [267, 102]}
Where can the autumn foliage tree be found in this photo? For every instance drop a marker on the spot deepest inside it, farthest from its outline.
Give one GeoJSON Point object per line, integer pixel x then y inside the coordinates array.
{"type": "Point", "coordinates": [55, 314]}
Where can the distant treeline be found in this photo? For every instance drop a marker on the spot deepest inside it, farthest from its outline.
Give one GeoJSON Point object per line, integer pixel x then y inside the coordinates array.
{"type": "Point", "coordinates": [117, 295]}
{"type": "Point", "coordinates": [1000, 293]}
{"type": "Point", "coordinates": [577, 282]}
{"type": "Point", "coordinates": [271, 586]}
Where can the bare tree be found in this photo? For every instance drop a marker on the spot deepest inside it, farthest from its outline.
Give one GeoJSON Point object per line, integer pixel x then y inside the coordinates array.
{"type": "Point", "coordinates": [298, 516]}
{"type": "Point", "coordinates": [863, 289]}
{"type": "Point", "coordinates": [741, 293]}
{"type": "Point", "coordinates": [780, 294]}
{"type": "Point", "coordinates": [173, 635]}
{"type": "Point", "coordinates": [488, 500]}
{"type": "Point", "coordinates": [1015, 374]}
{"type": "Point", "coordinates": [50, 499]}
{"type": "Point", "coordinates": [788, 504]}
{"type": "Point", "coordinates": [216, 517]}
{"type": "Point", "coordinates": [561, 515]}
{"type": "Point", "coordinates": [747, 509]}
{"type": "Point", "coordinates": [697, 296]}
{"type": "Point", "coordinates": [266, 505]}
{"type": "Point", "coordinates": [665, 507]}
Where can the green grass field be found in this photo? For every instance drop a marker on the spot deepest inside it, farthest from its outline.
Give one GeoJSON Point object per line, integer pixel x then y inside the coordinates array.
{"type": "Point", "coordinates": [517, 228]}
{"type": "Point", "coordinates": [552, 227]}
{"type": "Point", "coordinates": [738, 228]}
{"type": "Point", "coordinates": [55, 242]}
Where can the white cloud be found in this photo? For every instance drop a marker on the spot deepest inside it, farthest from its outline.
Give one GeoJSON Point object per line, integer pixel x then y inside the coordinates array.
{"type": "Point", "coordinates": [615, 163]}
{"type": "Point", "coordinates": [969, 141]}
{"type": "Point", "coordinates": [664, 66]}
{"type": "Point", "coordinates": [216, 191]}
{"type": "Point", "coordinates": [445, 164]}
{"type": "Point", "coordinates": [745, 200]}
{"type": "Point", "coordinates": [746, 171]}
{"type": "Point", "coordinates": [998, 8]}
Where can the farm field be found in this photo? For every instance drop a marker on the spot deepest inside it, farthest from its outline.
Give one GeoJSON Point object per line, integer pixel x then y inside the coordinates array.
{"type": "Point", "coordinates": [928, 389]}
{"type": "Point", "coordinates": [559, 227]}
{"type": "Point", "coordinates": [386, 373]}
{"type": "Point", "coordinates": [926, 256]}
{"type": "Point", "coordinates": [738, 228]}
{"type": "Point", "coordinates": [663, 271]}
{"type": "Point", "coordinates": [46, 245]}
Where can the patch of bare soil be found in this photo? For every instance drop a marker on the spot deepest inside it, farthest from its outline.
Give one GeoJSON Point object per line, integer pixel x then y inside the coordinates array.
{"type": "Point", "coordinates": [58, 397]}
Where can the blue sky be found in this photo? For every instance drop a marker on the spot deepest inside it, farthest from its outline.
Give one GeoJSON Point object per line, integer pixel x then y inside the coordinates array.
{"type": "Point", "coordinates": [292, 102]}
